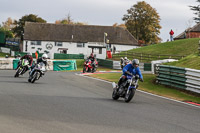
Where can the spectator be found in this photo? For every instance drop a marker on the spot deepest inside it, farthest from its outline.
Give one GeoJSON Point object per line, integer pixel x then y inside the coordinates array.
{"type": "Point", "coordinates": [171, 35]}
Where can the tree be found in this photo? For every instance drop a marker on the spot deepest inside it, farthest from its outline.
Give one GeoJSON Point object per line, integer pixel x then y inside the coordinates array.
{"type": "Point", "coordinates": [142, 21]}
{"type": "Point", "coordinates": [9, 24]}
{"type": "Point", "coordinates": [7, 27]}
{"type": "Point", "coordinates": [197, 11]}
{"type": "Point", "coordinates": [69, 20]}
{"type": "Point", "coordinates": [119, 25]}
{"type": "Point", "coordinates": [19, 28]}
{"type": "Point", "coordinates": [7, 32]}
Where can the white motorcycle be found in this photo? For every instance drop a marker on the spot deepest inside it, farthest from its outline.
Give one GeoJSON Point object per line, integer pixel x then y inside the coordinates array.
{"type": "Point", "coordinates": [37, 72]}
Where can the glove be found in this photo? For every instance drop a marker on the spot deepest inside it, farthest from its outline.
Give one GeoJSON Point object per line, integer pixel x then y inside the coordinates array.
{"type": "Point", "coordinates": [141, 80]}
{"type": "Point", "coordinates": [127, 72]}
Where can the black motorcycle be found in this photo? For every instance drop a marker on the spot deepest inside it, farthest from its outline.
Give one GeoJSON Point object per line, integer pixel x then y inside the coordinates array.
{"type": "Point", "coordinates": [127, 89]}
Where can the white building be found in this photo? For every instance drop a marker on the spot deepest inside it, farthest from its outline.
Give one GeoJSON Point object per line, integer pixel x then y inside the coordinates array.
{"type": "Point", "coordinates": [76, 39]}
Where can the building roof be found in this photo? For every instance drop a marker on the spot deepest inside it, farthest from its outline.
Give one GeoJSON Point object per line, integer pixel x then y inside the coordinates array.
{"type": "Point", "coordinates": [77, 33]}
{"type": "Point", "coordinates": [195, 28]}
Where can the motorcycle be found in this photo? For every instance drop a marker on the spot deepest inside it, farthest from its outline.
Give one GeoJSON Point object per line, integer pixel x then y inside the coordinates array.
{"type": "Point", "coordinates": [89, 66]}
{"type": "Point", "coordinates": [22, 68]}
{"type": "Point", "coordinates": [124, 63]}
{"type": "Point", "coordinates": [127, 89]}
{"type": "Point", "coordinates": [38, 71]}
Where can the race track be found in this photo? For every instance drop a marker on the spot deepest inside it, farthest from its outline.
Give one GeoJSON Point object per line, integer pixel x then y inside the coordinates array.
{"type": "Point", "coordinates": [63, 102]}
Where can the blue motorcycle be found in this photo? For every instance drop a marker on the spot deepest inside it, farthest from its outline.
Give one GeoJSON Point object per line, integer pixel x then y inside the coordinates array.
{"type": "Point", "coordinates": [127, 89]}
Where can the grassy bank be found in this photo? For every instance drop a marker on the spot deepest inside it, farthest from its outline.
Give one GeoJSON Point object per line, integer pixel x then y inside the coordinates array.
{"type": "Point", "coordinates": [191, 61]}
{"type": "Point", "coordinates": [149, 86]}
{"type": "Point", "coordinates": [179, 47]}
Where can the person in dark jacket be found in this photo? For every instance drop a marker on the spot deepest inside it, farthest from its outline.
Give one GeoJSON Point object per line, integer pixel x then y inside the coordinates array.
{"type": "Point", "coordinates": [131, 69]}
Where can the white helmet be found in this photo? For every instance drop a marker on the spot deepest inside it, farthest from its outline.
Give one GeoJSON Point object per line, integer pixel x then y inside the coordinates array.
{"type": "Point", "coordinates": [125, 58]}
{"type": "Point", "coordinates": [44, 57]}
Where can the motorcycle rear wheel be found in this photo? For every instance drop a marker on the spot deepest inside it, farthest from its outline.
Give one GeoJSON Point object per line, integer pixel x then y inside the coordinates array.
{"type": "Point", "coordinates": [114, 95]}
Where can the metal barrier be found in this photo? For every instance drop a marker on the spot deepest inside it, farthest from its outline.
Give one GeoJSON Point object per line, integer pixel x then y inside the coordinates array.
{"type": "Point", "coordinates": [183, 78]}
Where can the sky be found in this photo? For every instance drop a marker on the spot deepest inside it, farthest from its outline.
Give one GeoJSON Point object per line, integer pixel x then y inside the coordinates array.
{"type": "Point", "coordinates": [174, 14]}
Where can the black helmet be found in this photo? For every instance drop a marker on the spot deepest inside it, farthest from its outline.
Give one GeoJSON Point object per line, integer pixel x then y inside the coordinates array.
{"type": "Point", "coordinates": [135, 62]}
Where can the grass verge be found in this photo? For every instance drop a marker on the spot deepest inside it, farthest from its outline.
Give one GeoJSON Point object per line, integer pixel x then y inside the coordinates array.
{"type": "Point", "coordinates": [149, 86]}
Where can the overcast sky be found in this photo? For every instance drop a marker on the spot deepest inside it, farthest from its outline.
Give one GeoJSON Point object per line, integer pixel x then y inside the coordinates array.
{"type": "Point", "coordinates": [175, 14]}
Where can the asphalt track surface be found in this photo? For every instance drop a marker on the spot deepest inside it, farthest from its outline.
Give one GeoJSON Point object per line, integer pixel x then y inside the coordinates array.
{"type": "Point", "coordinates": [62, 102]}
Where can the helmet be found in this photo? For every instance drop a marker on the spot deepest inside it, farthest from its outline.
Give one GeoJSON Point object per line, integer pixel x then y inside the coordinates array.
{"type": "Point", "coordinates": [125, 58]}
{"type": "Point", "coordinates": [19, 55]}
{"type": "Point", "coordinates": [91, 55]}
{"type": "Point", "coordinates": [44, 57]}
{"type": "Point", "coordinates": [135, 62]}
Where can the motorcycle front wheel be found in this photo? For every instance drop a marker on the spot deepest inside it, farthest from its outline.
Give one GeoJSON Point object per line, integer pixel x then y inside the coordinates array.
{"type": "Point", "coordinates": [129, 95]}
{"type": "Point", "coordinates": [84, 69]}
{"type": "Point", "coordinates": [33, 78]}
{"type": "Point", "coordinates": [18, 72]}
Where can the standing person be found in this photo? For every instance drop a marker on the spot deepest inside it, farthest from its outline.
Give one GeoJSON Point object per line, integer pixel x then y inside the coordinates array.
{"type": "Point", "coordinates": [171, 35]}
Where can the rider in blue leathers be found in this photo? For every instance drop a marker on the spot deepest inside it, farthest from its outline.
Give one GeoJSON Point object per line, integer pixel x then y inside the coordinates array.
{"type": "Point", "coordinates": [131, 69]}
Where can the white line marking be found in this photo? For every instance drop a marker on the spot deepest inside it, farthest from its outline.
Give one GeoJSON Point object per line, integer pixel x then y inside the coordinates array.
{"type": "Point", "coordinates": [142, 91]}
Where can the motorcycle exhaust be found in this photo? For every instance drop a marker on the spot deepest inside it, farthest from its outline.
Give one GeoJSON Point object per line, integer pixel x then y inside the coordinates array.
{"type": "Point", "coordinates": [114, 85]}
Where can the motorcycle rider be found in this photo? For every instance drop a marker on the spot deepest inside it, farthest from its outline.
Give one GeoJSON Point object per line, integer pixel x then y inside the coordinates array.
{"type": "Point", "coordinates": [131, 69]}
{"type": "Point", "coordinates": [41, 59]}
{"type": "Point", "coordinates": [27, 57]}
{"type": "Point", "coordinates": [92, 58]}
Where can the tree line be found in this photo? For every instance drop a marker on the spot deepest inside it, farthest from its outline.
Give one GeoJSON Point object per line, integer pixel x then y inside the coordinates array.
{"type": "Point", "coordinates": [141, 20]}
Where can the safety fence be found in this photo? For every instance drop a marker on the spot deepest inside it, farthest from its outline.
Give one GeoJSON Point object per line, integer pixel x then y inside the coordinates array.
{"type": "Point", "coordinates": [182, 78]}
{"type": "Point", "coordinates": [147, 58]}
{"type": "Point", "coordinates": [116, 64]}
{"type": "Point", "coordinates": [61, 65]}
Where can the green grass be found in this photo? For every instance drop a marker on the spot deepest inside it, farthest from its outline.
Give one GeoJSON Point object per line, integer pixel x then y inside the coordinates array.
{"type": "Point", "coordinates": [3, 54]}
{"type": "Point", "coordinates": [175, 50]}
{"type": "Point", "coordinates": [179, 47]}
{"type": "Point", "coordinates": [191, 61]}
{"type": "Point", "coordinates": [149, 86]}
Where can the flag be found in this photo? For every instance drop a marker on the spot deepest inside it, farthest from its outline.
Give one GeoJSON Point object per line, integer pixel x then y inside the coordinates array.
{"type": "Point", "coordinates": [36, 54]}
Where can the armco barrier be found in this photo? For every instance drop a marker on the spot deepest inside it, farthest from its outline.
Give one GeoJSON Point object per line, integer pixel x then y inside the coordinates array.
{"type": "Point", "coordinates": [64, 65]}
{"type": "Point", "coordinates": [105, 63]}
{"type": "Point", "coordinates": [116, 65]}
{"type": "Point", "coordinates": [183, 78]}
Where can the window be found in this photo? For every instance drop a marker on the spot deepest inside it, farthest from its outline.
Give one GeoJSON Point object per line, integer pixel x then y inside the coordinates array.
{"type": "Point", "coordinates": [35, 42]}
{"type": "Point", "coordinates": [100, 50]}
{"type": "Point", "coordinates": [58, 44]}
{"type": "Point", "coordinates": [80, 45]}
